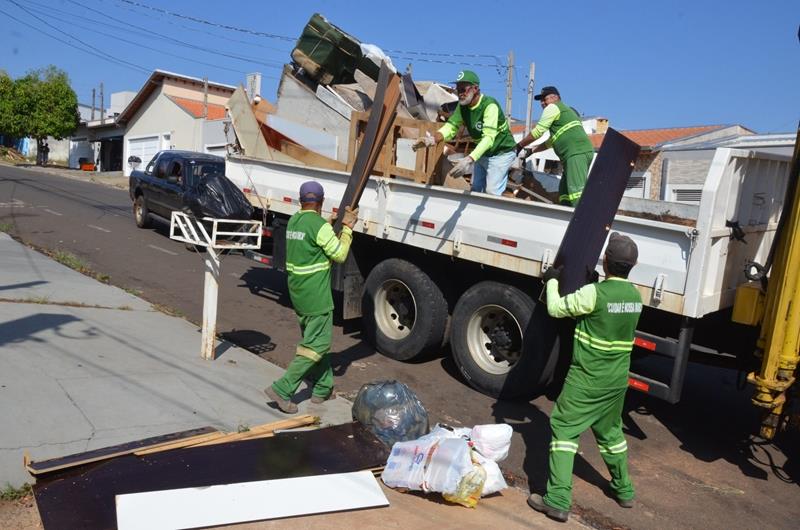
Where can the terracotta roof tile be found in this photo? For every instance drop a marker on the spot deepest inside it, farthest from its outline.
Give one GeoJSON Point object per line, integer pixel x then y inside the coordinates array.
{"type": "Point", "coordinates": [195, 108]}
{"type": "Point", "coordinates": [649, 138]}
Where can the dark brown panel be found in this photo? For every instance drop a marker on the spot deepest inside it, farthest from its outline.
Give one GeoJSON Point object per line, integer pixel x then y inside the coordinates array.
{"type": "Point", "coordinates": [382, 113]}
{"type": "Point", "coordinates": [591, 222]}
{"type": "Point", "coordinates": [54, 464]}
{"type": "Point", "coordinates": [84, 497]}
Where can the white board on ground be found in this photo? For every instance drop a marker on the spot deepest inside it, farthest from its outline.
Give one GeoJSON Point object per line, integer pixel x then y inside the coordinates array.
{"type": "Point", "coordinates": [248, 501]}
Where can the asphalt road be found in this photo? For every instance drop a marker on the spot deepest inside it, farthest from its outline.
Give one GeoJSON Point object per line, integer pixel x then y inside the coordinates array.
{"type": "Point", "coordinates": [694, 465]}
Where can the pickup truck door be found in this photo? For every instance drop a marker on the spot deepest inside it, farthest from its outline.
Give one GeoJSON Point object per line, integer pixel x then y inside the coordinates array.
{"type": "Point", "coordinates": [174, 185]}
{"type": "Point", "coordinates": [155, 190]}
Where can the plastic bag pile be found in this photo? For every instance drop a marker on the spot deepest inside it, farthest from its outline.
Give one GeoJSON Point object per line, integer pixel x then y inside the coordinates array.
{"type": "Point", "coordinates": [219, 198]}
{"type": "Point", "coordinates": [391, 411]}
{"type": "Point", "coordinates": [459, 463]}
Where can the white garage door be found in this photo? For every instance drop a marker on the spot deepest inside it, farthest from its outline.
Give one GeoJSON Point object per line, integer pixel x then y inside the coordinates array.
{"type": "Point", "coordinates": [145, 148]}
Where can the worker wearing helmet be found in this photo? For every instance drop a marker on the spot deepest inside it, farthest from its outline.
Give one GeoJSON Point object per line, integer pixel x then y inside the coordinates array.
{"type": "Point", "coordinates": [606, 315]}
{"type": "Point", "coordinates": [485, 122]}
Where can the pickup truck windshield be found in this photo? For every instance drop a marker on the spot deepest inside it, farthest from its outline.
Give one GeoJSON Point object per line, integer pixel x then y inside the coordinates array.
{"type": "Point", "coordinates": [202, 169]}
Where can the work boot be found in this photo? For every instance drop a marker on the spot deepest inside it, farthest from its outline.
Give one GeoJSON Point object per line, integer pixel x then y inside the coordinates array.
{"type": "Point", "coordinates": [284, 405]}
{"type": "Point", "coordinates": [626, 503]}
{"type": "Point", "coordinates": [319, 399]}
{"type": "Point", "coordinates": [536, 502]}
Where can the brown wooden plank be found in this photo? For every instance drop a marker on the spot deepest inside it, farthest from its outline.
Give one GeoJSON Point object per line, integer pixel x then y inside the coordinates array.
{"type": "Point", "coordinates": [84, 498]}
{"type": "Point", "coordinates": [96, 455]}
{"type": "Point", "coordinates": [263, 431]}
{"type": "Point", "coordinates": [188, 442]}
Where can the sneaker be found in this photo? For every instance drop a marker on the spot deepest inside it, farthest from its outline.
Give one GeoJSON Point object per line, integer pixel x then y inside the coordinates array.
{"type": "Point", "coordinates": [284, 405]}
{"type": "Point", "coordinates": [627, 503]}
{"type": "Point", "coordinates": [319, 399]}
{"type": "Point", "coordinates": [536, 502]}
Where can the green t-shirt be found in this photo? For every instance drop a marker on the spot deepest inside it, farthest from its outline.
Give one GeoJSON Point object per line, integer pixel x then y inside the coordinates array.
{"type": "Point", "coordinates": [567, 137]}
{"type": "Point", "coordinates": [485, 123]}
{"type": "Point", "coordinates": [311, 244]}
{"type": "Point", "coordinates": [606, 317]}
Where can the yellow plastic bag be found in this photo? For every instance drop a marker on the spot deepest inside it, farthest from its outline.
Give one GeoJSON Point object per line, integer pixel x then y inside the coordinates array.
{"type": "Point", "coordinates": [469, 488]}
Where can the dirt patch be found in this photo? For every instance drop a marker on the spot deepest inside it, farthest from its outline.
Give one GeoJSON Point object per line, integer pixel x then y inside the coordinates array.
{"type": "Point", "coordinates": [20, 514]}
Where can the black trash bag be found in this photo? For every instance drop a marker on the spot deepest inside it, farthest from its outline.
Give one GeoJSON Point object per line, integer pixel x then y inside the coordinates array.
{"type": "Point", "coordinates": [391, 411]}
{"type": "Point", "coordinates": [219, 198]}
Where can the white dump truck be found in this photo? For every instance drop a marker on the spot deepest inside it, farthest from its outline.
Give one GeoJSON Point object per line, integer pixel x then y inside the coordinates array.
{"type": "Point", "coordinates": [432, 265]}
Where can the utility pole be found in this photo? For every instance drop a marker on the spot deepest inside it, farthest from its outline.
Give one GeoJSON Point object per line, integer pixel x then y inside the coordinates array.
{"type": "Point", "coordinates": [509, 80]}
{"type": "Point", "coordinates": [528, 116]}
{"type": "Point", "coordinates": [205, 97]}
{"type": "Point", "coordinates": [93, 104]}
{"type": "Point", "coordinates": [102, 105]}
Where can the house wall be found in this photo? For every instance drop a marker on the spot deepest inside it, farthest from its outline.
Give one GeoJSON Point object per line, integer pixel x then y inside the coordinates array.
{"type": "Point", "coordinates": [185, 89]}
{"type": "Point", "coordinates": [650, 162]}
{"type": "Point", "coordinates": [159, 116]}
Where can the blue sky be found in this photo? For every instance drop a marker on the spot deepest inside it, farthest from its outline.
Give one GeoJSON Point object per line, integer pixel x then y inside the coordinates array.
{"type": "Point", "coordinates": [642, 65]}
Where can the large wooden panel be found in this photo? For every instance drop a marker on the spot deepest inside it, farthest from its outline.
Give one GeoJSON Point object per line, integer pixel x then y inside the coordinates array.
{"type": "Point", "coordinates": [84, 497]}
{"type": "Point", "coordinates": [588, 229]}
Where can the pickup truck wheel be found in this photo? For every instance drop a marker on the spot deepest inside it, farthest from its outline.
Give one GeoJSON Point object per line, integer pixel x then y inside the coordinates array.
{"type": "Point", "coordinates": [140, 212]}
{"type": "Point", "coordinates": [495, 345]}
{"type": "Point", "coordinates": [405, 313]}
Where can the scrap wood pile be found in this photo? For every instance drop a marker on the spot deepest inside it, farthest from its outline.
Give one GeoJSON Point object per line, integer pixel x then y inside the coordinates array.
{"type": "Point", "coordinates": [9, 154]}
{"type": "Point", "coordinates": [324, 102]}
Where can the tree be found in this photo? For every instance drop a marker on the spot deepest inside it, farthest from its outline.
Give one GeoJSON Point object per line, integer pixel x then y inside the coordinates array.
{"type": "Point", "coordinates": [43, 104]}
{"type": "Point", "coordinates": [6, 103]}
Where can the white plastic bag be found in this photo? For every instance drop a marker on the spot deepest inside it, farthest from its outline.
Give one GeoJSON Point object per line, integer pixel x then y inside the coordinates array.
{"type": "Point", "coordinates": [494, 477]}
{"type": "Point", "coordinates": [492, 441]}
{"type": "Point", "coordinates": [428, 464]}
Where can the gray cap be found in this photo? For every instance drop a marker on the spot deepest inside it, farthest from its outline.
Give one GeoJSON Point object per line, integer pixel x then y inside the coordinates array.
{"type": "Point", "coordinates": [621, 249]}
{"type": "Point", "coordinates": [311, 191]}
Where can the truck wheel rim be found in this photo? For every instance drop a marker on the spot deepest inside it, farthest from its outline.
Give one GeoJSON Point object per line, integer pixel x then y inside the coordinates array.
{"type": "Point", "coordinates": [494, 339]}
{"type": "Point", "coordinates": [395, 309]}
{"type": "Point", "coordinates": [138, 210]}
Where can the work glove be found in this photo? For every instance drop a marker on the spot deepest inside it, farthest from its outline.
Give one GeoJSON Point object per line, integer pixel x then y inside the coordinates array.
{"type": "Point", "coordinates": [350, 217]}
{"type": "Point", "coordinates": [553, 273]}
{"type": "Point", "coordinates": [424, 142]}
{"type": "Point", "coordinates": [461, 167]}
{"type": "Point", "coordinates": [518, 148]}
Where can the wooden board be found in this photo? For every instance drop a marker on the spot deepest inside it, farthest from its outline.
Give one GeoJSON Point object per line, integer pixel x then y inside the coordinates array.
{"type": "Point", "coordinates": [382, 114]}
{"type": "Point", "coordinates": [249, 501]}
{"type": "Point", "coordinates": [590, 224]}
{"type": "Point", "coordinates": [283, 144]}
{"type": "Point", "coordinates": [84, 497]}
{"type": "Point", "coordinates": [79, 459]}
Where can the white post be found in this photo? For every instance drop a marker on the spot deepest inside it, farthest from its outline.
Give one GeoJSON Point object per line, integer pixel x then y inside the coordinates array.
{"type": "Point", "coordinates": [211, 288]}
{"type": "Point", "coordinates": [528, 117]}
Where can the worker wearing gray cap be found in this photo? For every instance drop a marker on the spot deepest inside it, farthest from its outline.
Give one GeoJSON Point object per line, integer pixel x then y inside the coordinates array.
{"type": "Point", "coordinates": [606, 315]}
{"type": "Point", "coordinates": [311, 246]}
{"type": "Point", "coordinates": [568, 140]}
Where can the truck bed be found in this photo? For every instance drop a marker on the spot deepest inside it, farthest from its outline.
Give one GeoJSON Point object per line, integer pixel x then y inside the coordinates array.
{"type": "Point", "coordinates": [689, 267]}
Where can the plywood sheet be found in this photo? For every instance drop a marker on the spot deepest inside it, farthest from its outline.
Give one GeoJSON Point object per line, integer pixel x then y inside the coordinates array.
{"type": "Point", "coordinates": [248, 501]}
{"type": "Point", "coordinates": [84, 497]}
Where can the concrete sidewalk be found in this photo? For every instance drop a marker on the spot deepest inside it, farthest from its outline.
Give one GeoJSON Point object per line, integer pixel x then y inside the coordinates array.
{"type": "Point", "coordinates": [85, 365]}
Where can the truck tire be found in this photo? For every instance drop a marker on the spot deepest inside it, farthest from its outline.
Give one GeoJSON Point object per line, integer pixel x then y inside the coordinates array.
{"type": "Point", "coordinates": [497, 341]}
{"type": "Point", "coordinates": [404, 312]}
{"type": "Point", "coordinates": [141, 214]}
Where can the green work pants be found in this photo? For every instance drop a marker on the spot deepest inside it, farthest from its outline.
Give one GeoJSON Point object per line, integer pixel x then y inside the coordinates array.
{"type": "Point", "coordinates": [576, 410]}
{"type": "Point", "coordinates": [312, 358]}
{"type": "Point", "coordinates": [573, 180]}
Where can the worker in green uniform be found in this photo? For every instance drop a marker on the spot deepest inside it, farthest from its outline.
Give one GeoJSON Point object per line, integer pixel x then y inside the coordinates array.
{"type": "Point", "coordinates": [311, 246]}
{"type": "Point", "coordinates": [568, 140]}
{"type": "Point", "coordinates": [487, 125]}
{"type": "Point", "coordinates": [606, 315]}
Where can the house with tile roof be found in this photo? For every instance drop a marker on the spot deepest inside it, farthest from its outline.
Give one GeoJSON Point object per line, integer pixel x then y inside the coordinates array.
{"type": "Point", "coordinates": [174, 111]}
{"type": "Point", "coordinates": [649, 173]}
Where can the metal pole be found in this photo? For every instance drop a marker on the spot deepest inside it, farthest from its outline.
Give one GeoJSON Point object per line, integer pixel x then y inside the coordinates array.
{"type": "Point", "coordinates": [211, 288]}
{"type": "Point", "coordinates": [205, 97]}
{"type": "Point", "coordinates": [509, 79]}
{"type": "Point", "coordinates": [528, 117]}
{"type": "Point", "coordinates": [93, 104]}
{"type": "Point", "coordinates": [102, 105]}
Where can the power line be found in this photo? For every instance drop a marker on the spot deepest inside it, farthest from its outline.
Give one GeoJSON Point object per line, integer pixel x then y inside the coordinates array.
{"type": "Point", "coordinates": [252, 60]}
{"type": "Point", "coordinates": [208, 22]}
{"type": "Point", "coordinates": [98, 51]}
{"type": "Point", "coordinates": [99, 55]}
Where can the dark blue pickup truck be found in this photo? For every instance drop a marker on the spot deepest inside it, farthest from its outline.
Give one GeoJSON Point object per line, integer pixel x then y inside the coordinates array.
{"type": "Point", "coordinates": [160, 188]}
